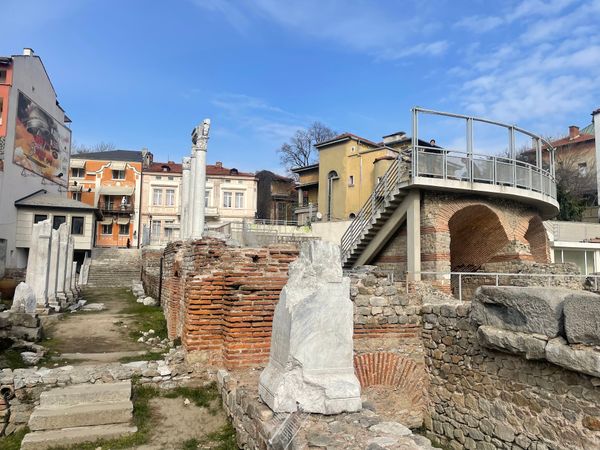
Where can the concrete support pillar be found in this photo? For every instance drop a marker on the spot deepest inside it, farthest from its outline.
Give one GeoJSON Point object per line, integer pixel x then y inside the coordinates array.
{"type": "Point", "coordinates": [38, 262]}
{"type": "Point", "coordinates": [596, 122]}
{"type": "Point", "coordinates": [300, 197]}
{"type": "Point", "coordinates": [185, 197]}
{"type": "Point", "coordinates": [413, 234]}
{"type": "Point", "coordinates": [200, 144]}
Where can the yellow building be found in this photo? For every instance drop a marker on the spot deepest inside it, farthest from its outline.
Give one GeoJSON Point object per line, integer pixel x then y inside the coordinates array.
{"type": "Point", "coordinates": [349, 168]}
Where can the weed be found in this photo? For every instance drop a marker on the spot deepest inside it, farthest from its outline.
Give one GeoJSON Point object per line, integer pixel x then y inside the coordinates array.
{"type": "Point", "coordinates": [146, 318]}
{"type": "Point", "coordinates": [12, 359]}
{"type": "Point", "coordinates": [201, 396]}
{"type": "Point", "coordinates": [224, 439]}
{"type": "Point", "coordinates": [190, 444]}
{"type": "Point", "coordinates": [148, 356]}
{"type": "Point", "coordinates": [13, 442]}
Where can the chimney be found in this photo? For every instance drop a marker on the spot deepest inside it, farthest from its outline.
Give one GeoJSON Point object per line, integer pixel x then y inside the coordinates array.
{"type": "Point", "coordinates": [27, 51]}
{"type": "Point", "coordinates": [219, 164]}
{"type": "Point", "coordinates": [573, 131]}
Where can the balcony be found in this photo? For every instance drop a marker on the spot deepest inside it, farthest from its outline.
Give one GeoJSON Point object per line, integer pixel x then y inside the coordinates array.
{"type": "Point", "coordinates": [115, 207]}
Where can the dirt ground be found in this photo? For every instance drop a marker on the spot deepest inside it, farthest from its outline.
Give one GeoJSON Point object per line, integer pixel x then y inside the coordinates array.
{"type": "Point", "coordinates": [177, 423]}
{"type": "Point", "coordinates": [98, 336]}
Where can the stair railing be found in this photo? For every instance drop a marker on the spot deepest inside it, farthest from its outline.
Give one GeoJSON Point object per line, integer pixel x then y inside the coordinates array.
{"type": "Point", "coordinates": [374, 204]}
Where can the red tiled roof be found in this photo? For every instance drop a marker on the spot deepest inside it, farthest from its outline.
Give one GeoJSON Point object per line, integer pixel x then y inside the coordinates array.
{"type": "Point", "coordinates": [223, 171]}
{"type": "Point", "coordinates": [159, 167]}
{"type": "Point", "coordinates": [568, 141]}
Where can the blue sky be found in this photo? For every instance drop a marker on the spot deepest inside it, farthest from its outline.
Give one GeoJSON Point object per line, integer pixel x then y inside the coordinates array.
{"type": "Point", "coordinates": [143, 73]}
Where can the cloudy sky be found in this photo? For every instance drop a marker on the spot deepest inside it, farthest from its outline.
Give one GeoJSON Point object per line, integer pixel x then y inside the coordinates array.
{"type": "Point", "coordinates": [142, 73]}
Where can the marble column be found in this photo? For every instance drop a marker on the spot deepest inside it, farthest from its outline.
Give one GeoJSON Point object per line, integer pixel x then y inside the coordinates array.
{"type": "Point", "coordinates": [63, 247]}
{"type": "Point", "coordinates": [191, 194]}
{"type": "Point", "coordinates": [53, 275]}
{"type": "Point", "coordinates": [70, 294]}
{"type": "Point", "coordinates": [200, 142]}
{"type": "Point", "coordinates": [74, 289]}
{"type": "Point", "coordinates": [38, 262]}
{"type": "Point", "coordinates": [185, 197]}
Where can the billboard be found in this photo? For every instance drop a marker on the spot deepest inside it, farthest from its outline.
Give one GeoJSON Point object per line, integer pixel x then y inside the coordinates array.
{"type": "Point", "coordinates": [42, 144]}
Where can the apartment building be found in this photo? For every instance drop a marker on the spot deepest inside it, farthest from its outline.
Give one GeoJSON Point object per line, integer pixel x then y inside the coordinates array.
{"type": "Point", "coordinates": [35, 144]}
{"type": "Point", "coordinates": [110, 181]}
{"type": "Point", "coordinates": [230, 195]}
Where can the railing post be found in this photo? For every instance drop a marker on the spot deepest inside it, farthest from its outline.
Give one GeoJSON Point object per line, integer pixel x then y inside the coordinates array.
{"type": "Point", "coordinates": [513, 155]}
{"type": "Point", "coordinates": [415, 143]}
{"type": "Point", "coordinates": [459, 286]}
{"type": "Point", "coordinates": [538, 151]}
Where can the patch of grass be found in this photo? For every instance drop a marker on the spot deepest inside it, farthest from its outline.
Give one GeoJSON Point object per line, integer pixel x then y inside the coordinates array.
{"type": "Point", "coordinates": [190, 444]}
{"type": "Point", "coordinates": [13, 442]}
{"type": "Point", "coordinates": [12, 359]}
{"type": "Point", "coordinates": [223, 439]}
{"type": "Point", "coordinates": [200, 396]}
{"type": "Point", "coordinates": [146, 318]}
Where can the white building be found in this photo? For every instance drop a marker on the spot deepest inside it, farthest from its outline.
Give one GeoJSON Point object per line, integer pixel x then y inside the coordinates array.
{"type": "Point", "coordinates": [34, 147]}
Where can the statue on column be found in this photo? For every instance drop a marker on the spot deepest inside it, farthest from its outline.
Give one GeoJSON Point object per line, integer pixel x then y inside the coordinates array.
{"type": "Point", "coordinates": [200, 135]}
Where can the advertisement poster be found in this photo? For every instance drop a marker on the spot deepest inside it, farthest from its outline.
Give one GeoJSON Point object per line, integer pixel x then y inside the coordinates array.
{"type": "Point", "coordinates": [42, 144]}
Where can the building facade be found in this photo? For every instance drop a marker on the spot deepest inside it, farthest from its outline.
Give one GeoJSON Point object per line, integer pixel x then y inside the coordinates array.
{"type": "Point", "coordinates": [111, 182]}
{"type": "Point", "coordinates": [230, 195]}
{"type": "Point", "coordinates": [276, 198]}
{"type": "Point", "coordinates": [35, 145]}
{"type": "Point", "coordinates": [161, 202]}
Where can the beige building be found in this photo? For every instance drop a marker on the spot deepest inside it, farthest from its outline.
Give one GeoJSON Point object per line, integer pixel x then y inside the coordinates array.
{"type": "Point", "coordinates": [42, 205]}
{"type": "Point", "coordinates": [230, 195]}
{"type": "Point", "coordinates": [161, 202]}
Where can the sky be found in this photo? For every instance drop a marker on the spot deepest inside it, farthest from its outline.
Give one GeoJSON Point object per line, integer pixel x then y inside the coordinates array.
{"type": "Point", "coordinates": [143, 73]}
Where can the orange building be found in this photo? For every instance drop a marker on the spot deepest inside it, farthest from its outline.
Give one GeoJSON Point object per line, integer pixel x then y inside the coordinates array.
{"type": "Point", "coordinates": [110, 181]}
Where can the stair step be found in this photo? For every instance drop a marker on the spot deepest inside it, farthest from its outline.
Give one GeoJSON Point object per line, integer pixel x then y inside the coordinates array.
{"type": "Point", "coordinates": [85, 393]}
{"type": "Point", "coordinates": [41, 440]}
{"type": "Point", "coordinates": [54, 418]}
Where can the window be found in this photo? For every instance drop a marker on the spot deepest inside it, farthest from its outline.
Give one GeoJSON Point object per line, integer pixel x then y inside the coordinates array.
{"type": "Point", "coordinates": [206, 199]}
{"type": "Point", "coordinates": [77, 225]}
{"type": "Point", "coordinates": [118, 174]}
{"type": "Point", "coordinates": [76, 196]}
{"type": "Point", "coordinates": [157, 197]}
{"type": "Point", "coordinates": [239, 199]}
{"type": "Point", "coordinates": [77, 172]}
{"type": "Point", "coordinates": [1, 108]}
{"type": "Point", "coordinates": [39, 218]}
{"type": "Point", "coordinates": [158, 177]}
{"type": "Point", "coordinates": [170, 178]}
{"type": "Point", "coordinates": [2, 76]}
{"type": "Point", "coordinates": [155, 229]}
{"type": "Point", "coordinates": [168, 230]}
{"type": "Point", "coordinates": [170, 197]}
{"type": "Point", "coordinates": [107, 229]}
{"type": "Point", "coordinates": [351, 180]}
{"type": "Point", "coordinates": [57, 221]}
{"type": "Point", "coordinates": [124, 229]}
{"type": "Point", "coordinates": [582, 168]}
{"type": "Point", "coordinates": [226, 199]}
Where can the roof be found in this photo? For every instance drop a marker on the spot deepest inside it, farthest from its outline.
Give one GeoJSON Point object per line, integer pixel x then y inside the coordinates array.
{"type": "Point", "coordinates": [112, 155]}
{"type": "Point", "coordinates": [305, 168]}
{"type": "Point", "coordinates": [588, 130]}
{"type": "Point", "coordinates": [568, 141]}
{"type": "Point", "coordinates": [214, 170]}
{"type": "Point", "coordinates": [42, 199]}
{"type": "Point", "coordinates": [171, 166]}
{"type": "Point", "coordinates": [275, 176]}
{"type": "Point", "coordinates": [345, 137]}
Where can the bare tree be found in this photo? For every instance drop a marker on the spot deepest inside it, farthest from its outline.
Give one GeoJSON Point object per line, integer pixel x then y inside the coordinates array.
{"type": "Point", "coordinates": [300, 150]}
{"type": "Point", "coordinates": [99, 147]}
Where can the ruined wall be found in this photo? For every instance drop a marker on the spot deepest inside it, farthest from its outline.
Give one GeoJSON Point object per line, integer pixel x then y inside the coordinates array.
{"type": "Point", "coordinates": [484, 399]}
{"type": "Point", "coordinates": [151, 271]}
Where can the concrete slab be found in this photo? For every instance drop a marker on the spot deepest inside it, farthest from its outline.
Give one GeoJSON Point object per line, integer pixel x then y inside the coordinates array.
{"type": "Point", "coordinates": [86, 393]}
{"type": "Point", "coordinates": [45, 418]}
{"type": "Point", "coordinates": [41, 440]}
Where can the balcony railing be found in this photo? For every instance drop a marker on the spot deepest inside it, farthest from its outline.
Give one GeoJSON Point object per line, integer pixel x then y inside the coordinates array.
{"type": "Point", "coordinates": [115, 207]}
{"type": "Point", "coordinates": [436, 167]}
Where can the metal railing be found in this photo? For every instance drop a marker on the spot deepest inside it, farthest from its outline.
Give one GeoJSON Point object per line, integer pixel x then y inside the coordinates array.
{"type": "Point", "coordinates": [457, 279]}
{"type": "Point", "coordinates": [434, 162]}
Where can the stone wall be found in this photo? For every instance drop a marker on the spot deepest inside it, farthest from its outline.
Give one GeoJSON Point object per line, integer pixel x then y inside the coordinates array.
{"type": "Point", "coordinates": [151, 271]}
{"type": "Point", "coordinates": [484, 399]}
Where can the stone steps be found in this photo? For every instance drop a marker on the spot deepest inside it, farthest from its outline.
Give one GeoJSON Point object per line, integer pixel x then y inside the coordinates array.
{"type": "Point", "coordinates": [80, 413]}
{"type": "Point", "coordinates": [41, 440]}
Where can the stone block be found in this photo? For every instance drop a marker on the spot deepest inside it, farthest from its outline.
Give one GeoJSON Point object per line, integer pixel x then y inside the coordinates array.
{"type": "Point", "coordinates": [80, 415]}
{"type": "Point", "coordinates": [582, 311]}
{"type": "Point", "coordinates": [40, 440]}
{"type": "Point", "coordinates": [26, 333]}
{"type": "Point", "coordinates": [24, 320]}
{"type": "Point", "coordinates": [537, 310]}
{"type": "Point", "coordinates": [585, 360]}
{"type": "Point", "coordinates": [528, 345]}
{"type": "Point", "coordinates": [24, 299]}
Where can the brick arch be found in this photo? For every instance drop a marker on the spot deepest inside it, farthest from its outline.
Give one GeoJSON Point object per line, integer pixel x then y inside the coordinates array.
{"type": "Point", "coordinates": [477, 234]}
{"type": "Point", "coordinates": [390, 369]}
{"type": "Point", "coordinates": [538, 240]}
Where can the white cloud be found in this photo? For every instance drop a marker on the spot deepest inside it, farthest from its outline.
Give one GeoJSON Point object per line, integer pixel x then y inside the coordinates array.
{"type": "Point", "coordinates": [479, 24]}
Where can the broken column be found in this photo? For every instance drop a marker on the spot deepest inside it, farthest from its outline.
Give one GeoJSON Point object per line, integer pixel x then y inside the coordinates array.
{"type": "Point", "coordinates": [38, 262]}
{"type": "Point", "coordinates": [200, 144]}
{"type": "Point", "coordinates": [69, 269]}
{"type": "Point", "coordinates": [53, 276]}
{"type": "Point", "coordinates": [185, 197]}
{"type": "Point", "coordinates": [74, 288]}
{"type": "Point", "coordinates": [311, 360]}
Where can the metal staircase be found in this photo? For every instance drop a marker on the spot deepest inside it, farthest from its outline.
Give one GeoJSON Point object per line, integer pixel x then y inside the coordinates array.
{"type": "Point", "coordinates": [385, 199]}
